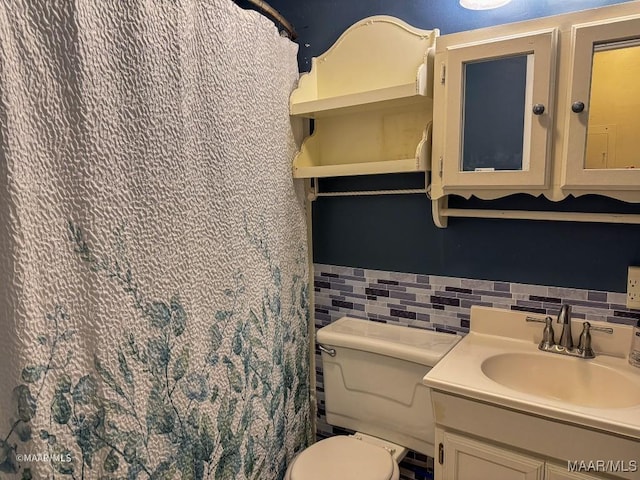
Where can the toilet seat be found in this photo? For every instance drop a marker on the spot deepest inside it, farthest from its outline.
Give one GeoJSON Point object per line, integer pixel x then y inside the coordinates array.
{"type": "Point", "coordinates": [343, 457]}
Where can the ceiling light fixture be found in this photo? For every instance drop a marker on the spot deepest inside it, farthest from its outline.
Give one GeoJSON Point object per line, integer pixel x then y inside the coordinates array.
{"type": "Point", "coordinates": [483, 4]}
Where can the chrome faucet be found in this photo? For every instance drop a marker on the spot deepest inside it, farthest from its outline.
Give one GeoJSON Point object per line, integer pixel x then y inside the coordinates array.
{"type": "Point", "coordinates": [565, 345]}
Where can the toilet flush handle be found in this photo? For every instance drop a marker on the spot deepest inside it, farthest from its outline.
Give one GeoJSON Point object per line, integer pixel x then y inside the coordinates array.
{"type": "Point", "coordinates": [329, 351]}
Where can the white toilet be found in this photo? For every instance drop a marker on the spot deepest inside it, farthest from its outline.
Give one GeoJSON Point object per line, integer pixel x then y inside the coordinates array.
{"type": "Point", "coordinates": [373, 385]}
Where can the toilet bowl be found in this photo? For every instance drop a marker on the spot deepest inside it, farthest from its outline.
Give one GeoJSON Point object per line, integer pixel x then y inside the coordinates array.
{"type": "Point", "coordinates": [372, 376]}
{"type": "Point", "coordinates": [347, 457]}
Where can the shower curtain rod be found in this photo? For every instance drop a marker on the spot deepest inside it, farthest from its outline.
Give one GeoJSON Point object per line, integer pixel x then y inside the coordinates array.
{"type": "Point", "coordinates": [273, 14]}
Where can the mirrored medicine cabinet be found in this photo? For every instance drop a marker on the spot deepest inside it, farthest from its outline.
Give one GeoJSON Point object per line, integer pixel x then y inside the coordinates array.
{"type": "Point", "coordinates": [603, 141]}
{"type": "Point", "coordinates": [546, 107]}
{"type": "Point", "coordinates": [498, 119]}
{"type": "Point", "coordinates": [614, 107]}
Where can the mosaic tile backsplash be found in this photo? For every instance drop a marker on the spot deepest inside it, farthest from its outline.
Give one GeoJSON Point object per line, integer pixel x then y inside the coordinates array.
{"type": "Point", "coordinates": [442, 304]}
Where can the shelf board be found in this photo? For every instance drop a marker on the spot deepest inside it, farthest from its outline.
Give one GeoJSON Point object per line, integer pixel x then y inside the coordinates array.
{"type": "Point", "coordinates": [366, 168]}
{"type": "Point", "coordinates": [397, 95]}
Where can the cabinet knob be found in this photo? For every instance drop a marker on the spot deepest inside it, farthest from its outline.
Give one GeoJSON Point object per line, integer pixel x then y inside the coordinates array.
{"type": "Point", "coordinates": [538, 109]}
{"type": "Point", "coordinates": [577, 107]}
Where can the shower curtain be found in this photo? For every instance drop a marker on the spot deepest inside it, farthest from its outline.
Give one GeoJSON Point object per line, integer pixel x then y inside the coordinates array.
{"type": "Point", "coordinates": [153, 263]}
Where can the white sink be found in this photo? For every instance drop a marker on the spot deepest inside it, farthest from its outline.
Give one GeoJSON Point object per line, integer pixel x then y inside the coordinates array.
{"type": "Point", "coordinates": [499, 363]}
{"type": "Point", "coordinates": [572, 380]}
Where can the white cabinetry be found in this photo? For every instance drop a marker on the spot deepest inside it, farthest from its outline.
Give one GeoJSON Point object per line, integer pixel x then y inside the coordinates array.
{"type": "Point", "coordinates": [546, 107]}
{"type": "Point", "coordinates": [465, 458]}
{"type": "Point", "coordinates": [468, 459]}
{"type": "Point", "coordinates": [495, 97]}
{"type": "Point", "coordinates": [477, 440]}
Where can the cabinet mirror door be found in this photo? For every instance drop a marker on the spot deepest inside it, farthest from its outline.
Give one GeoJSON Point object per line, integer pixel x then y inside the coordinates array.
{"type": "Point", "coordinates": [498, 112]}
{"type": "Point", "coordinates": [494, 118]}
{"type": "Point", "coordinates": [603, 140]}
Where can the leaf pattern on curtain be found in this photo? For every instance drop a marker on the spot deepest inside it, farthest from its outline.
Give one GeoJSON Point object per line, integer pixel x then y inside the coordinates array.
{"type": "Point", "coordinates": [203, 426]}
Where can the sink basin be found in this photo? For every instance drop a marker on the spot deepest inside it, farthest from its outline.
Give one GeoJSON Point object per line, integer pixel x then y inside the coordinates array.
{"type": "Point", "coordinates": [572, 380]}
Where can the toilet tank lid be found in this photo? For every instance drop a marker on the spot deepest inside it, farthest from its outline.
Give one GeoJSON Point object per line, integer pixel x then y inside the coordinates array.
{"type": "Point", "coordinates": [424, 347]}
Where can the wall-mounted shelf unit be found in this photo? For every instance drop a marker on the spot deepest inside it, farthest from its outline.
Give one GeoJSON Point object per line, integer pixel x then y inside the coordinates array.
{"type": "Point", "coordinates": [370, 97]}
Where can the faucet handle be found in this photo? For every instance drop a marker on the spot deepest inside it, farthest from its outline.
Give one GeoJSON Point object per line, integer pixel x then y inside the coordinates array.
{"type": "Point", "coordinates": [548, 339]}
{"type": "Point", "coordinates": [608, 330]}
{"type": "Point", "coordinates": [536, 319]}
{"type": "Point", "coordinates": [584, 345]}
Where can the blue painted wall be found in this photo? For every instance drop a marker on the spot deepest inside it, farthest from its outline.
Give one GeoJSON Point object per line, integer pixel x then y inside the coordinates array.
{"type": "Point", "coordinates": [319, 23]}
{"type": "Point", "coordinates": [397, 233]}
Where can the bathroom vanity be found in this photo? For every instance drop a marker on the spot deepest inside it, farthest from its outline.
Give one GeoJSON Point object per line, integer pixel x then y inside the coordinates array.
{"type": "Point", "coordinates": [506, 410]}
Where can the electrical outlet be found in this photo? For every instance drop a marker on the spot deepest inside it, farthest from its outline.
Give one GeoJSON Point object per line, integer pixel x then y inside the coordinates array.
{"type": "Point", "coordinates": [633, 288]}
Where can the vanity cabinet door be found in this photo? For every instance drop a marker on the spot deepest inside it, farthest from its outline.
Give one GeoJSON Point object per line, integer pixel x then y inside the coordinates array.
{"type": "Point", "coordinates": [496, 97]}
{"type": "Point", "coordinates": [467, 459]}
{"type": "Point", "coordinates": [602, 146]}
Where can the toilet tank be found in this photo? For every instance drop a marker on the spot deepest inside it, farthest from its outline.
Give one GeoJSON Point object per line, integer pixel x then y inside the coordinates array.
{"type": "Point", "coordinates": [373, 383]}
